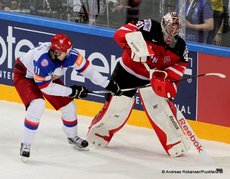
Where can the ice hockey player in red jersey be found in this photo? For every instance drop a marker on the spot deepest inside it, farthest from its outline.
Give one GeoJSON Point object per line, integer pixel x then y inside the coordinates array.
{"type": "Point", "coordinates": [153, 53]}
{"type": "Point", "coordinates": [36, 76]}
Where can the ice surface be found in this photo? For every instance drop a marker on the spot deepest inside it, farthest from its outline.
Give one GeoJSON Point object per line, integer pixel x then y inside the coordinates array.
{"type": "Point", "coordinates": [134, 153]}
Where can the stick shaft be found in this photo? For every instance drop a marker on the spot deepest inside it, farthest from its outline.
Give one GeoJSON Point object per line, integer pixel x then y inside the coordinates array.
{"type": "Point", "coordinates": [147, 85]}
{"type": "Point", "coordinates": [123, 90]}
{"type": "Point", "coordinates": [187, 78]}
{"type": "Point", "coordinates": [221, 75]}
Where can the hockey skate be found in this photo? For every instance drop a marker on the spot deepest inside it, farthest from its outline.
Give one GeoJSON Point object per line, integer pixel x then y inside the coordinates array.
{"type": "Point", "coordinates": [78, 143]}
{"type": "Point", "coordinates": [25, 152]}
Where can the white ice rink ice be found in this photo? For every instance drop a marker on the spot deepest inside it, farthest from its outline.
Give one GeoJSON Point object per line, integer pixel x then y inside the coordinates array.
{"type": "Point", "coordinates": [134, 153]}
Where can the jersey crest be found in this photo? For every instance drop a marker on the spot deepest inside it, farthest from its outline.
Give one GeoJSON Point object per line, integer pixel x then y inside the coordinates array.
{"type": "Point", "coordinates": [44, 63]}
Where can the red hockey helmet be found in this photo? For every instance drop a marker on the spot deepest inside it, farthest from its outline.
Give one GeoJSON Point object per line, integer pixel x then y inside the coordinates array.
{"type": "Point", "coordinates": [171, 27]}
{"type": "Point", "coordinates": [60, 43]}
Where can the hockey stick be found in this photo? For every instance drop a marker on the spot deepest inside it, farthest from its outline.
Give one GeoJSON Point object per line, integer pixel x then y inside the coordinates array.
{"type": "Point", "coordinates": [123, 90]}
{"type": "Point", "coordinates": [220, 75]}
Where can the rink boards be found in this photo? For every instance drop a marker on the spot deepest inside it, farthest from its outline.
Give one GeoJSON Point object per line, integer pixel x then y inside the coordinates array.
{"type": "Point", "coordinates": [204, 101]}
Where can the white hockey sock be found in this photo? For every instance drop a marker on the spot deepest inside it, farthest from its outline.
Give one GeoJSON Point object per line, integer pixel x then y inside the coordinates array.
{"type": "Point", "coordinates": [28, 136]}
{"type": "Point", "coordinates": [69, 119]}
{"type": "Point", "coordinates": [33, 115]}
{"type": "Point", "coordinates": [70, 128]}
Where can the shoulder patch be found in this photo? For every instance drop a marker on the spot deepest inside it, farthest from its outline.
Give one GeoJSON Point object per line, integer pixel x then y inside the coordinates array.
{"type": "Point", "coordinates": [44, 63]}
{"type": "Point", "coordinates": [147, 25]}
{"type": "Point", "coordinates": [79, 60]}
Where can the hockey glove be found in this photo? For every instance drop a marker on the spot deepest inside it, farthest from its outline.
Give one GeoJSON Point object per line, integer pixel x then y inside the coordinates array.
{"type": "Point", "coordinates": [139, 57]}
{"type": "Point", "coordinates": [114, 88]}
{"type": "Point", "coordinates": [78, 92]}
{"type": "Point", "coordinates": [140, 51]}
{"type": "Point", "coordinates": [162, 86]}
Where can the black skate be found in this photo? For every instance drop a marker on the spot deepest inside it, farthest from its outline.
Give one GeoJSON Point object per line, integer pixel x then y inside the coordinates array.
{"type": "Point", "coordinates": [78, 143]}
{"type": "Point", "coordinates": [25, 152]}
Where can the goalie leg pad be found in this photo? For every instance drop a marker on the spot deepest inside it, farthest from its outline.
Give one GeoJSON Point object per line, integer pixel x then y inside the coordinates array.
{"type": "Point", "coordinates": [162, 119]}
{"type": "Point", "coordinates": [110, 119]}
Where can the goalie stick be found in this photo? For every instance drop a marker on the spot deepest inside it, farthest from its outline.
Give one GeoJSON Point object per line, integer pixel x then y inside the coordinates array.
{"type": "Point", "coordinates": [220, 75]}
{"type": "Point", "coordinates": [123, 90]}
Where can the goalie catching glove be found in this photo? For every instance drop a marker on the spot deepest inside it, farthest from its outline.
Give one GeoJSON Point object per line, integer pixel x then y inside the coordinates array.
{"type": "Point", "coordinates": [162, 86]}
{"type": "Point", "coordinates": [78, 92]}
{"type": "Point", "coordinates": [114, 88]}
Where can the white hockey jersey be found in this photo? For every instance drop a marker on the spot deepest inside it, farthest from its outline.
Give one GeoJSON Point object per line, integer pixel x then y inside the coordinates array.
{"type": "Point", "coordinates": [44, 70]}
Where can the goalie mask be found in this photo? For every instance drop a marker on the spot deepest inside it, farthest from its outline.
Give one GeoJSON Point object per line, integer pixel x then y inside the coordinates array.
{"type": "Point", "coordinates": [171, 26]}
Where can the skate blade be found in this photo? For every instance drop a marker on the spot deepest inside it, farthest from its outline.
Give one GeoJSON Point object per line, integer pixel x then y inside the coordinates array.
{"type": "Point", "coordinates": [24, 159]}
{"type": "Point", "coordinates": [81, 149]}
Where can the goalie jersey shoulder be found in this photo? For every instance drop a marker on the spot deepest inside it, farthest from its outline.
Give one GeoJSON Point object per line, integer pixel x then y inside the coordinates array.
{"type": "Point", "coordinates": [152, 32]}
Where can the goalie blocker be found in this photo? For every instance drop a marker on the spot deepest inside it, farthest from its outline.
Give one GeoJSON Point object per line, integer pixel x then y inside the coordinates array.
{"type": "Point", "coordinates": [160, 112]}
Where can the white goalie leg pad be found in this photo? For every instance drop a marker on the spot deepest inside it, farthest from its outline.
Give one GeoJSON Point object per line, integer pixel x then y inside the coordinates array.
{"type": "Point", "coordinates": [110, 119]}
{"type": "Point", "coordinates": [190, 133]}
{"type": "Point", "coordinates": [166, 126]}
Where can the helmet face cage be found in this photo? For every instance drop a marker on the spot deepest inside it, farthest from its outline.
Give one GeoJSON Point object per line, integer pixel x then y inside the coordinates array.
{"type": "Point", "coordinates": [171, 27]}
{"type": "Point", "coordinates": [60, 43]}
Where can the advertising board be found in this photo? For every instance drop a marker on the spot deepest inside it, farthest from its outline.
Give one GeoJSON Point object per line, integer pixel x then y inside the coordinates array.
{"type": "Point", "coordinates": [17, 38]}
